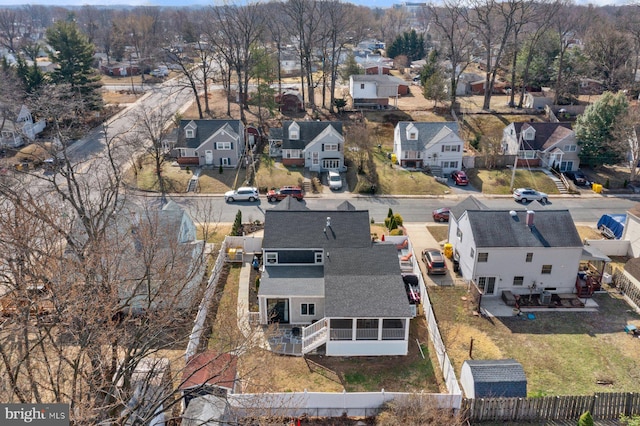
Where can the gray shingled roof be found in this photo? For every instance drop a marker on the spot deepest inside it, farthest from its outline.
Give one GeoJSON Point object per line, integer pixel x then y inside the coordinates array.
{"type": "Point", "coordinates": [498, 378]}
{"type": "Point", "coordinates": [426, 132]}
{"type": "Point", "coordinates": [306, 229]}
{"type": "Point", "coordinates": [497, 228]}
{"type": "Point", "coordinates": [298, 281]}
{"type": "Point", "coordinates": [308, 132]}
{"type": "Point", "coordinates": [544, 131]}
{"type": "Point", "coordinates": [496, 370]}
{"type": "Point", "coordinates": [290, 203]}
{"type": "Point", "coordinates": [276, 133]}
{"type": "Point", "coordinates": [365, 283]}
{"type": "Point", "coordinates": [204, 131]}
{"type": "Point", "coordinates": [469, 203]}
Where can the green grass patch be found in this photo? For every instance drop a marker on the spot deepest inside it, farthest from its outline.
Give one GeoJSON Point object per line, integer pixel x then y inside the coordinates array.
{"type": "Point", "coordinates": [225, 334]}
{"type": "Point", "coordinates": [498, 181]}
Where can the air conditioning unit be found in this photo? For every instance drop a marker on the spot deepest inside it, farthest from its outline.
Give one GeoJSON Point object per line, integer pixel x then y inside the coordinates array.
{"type": "Point", "coordinates": [545, 298]}
{"type": "Point", "coordinates": [607, 278]}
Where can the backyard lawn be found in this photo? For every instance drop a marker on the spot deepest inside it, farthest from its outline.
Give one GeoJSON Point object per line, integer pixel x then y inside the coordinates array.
{"type": "Point", "coordinates": [563, 353]}
{"type": "Point", "coordinates": [263, 371]}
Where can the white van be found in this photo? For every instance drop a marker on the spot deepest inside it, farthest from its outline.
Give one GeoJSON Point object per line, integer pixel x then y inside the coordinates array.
{"type": "Point", "coordinates": [335, 180]}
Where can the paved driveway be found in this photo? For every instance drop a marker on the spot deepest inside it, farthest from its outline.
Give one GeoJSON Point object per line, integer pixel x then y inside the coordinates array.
{"type": "Point", "coordinates": [421, 239]}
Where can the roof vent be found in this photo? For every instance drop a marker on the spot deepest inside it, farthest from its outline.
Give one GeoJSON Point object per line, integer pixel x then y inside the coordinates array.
{"type": "Point", "coordinates": [513, 213]}
{"type": "Point", "coordinates": [530, 216]}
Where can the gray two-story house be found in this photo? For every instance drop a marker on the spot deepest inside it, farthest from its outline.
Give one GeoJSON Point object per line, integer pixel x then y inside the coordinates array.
{"type": "Point", "coordinates": [327, 276]}
{"type": "Point", "coordinates": [316, 145]}
{"type": "Point", "coordinates": [210, 143]}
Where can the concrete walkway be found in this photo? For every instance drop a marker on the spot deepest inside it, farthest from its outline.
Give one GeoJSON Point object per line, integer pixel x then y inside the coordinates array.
{"type": "Point", "coordinates": [254, 333]}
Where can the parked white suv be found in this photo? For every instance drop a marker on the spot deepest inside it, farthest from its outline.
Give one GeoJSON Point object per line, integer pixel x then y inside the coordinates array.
{"type": "Point", "coordinates": [335, 180]}
{"type": "Point", "coordinates": [528, 194]}
{"type": "Point", "coordinates": [244, 193]}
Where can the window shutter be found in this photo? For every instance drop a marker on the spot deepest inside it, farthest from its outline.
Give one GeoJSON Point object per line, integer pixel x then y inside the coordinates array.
{"type": "Point", "coordinates": [323, 147]}
{"type": "Point", "coordinates": [441, 148]}
{"type": "Point", "coordinates": [231, 145]}
{"type": "Point", "coordinates": [229, 160]}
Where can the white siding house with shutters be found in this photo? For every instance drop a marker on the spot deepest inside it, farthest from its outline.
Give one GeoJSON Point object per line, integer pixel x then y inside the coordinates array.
{"type": "Point", "coordinates": [210, 143]}
{"type": "Point", "coordinates": [423, 145]}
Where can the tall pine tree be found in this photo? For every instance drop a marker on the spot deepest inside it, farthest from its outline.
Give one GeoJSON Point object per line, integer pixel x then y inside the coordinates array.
{"type": "Point", "coordinates": [72, 53]}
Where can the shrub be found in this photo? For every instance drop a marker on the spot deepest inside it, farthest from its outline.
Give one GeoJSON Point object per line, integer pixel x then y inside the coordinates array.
{"type": "Point", "coordinates": [257, 283]}
{"type": "Point", "coordinates": [220, 169]}
{"type": "Point", "coordinates": [585, 419]}
{"type": "Point", "coordinates": [396, 231]}
{"type": "Point", "coordinates": [607, 183]}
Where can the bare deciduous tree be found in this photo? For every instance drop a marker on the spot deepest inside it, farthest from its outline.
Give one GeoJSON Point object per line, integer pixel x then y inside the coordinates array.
{"type": "Point", "coordinates": [455, 38]}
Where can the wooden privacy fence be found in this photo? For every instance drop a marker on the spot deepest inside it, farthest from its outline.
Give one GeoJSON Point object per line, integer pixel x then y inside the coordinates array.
{"type": "Point", "coordinates": [602, 406]}
{"type": "Point", "coordinates": [626, 286]}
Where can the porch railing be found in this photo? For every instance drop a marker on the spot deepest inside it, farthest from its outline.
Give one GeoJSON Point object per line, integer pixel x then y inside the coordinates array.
{"type": "Point", "coordinates": [393, 334]}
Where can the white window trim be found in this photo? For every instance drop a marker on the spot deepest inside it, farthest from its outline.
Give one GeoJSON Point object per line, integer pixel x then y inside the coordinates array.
{"type": "Point", "coordinates": [223, 146]}
{"type": "Point", "coordinates": [271, 258]}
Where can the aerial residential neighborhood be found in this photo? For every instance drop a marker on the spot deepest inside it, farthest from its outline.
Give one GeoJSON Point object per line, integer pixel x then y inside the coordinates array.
{"type": "Point", "coordinates": [320, 213]}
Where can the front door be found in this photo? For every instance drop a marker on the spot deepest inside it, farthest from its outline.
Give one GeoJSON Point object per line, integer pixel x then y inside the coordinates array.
{"type": "Point", "coordinates": [208, 157]}
{"type": "Point", "coordinates": [278, 310]}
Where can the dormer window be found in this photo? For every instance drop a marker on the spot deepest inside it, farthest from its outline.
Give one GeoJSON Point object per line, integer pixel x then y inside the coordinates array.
{"type": "Point", "coordinates": [529, 134]}
{"type": "Point", "coordinates": [294, 131]}
{"type": "Point", "coordinates": [412, 132]}
{"type": "Point", "coordinates": [190, 133]}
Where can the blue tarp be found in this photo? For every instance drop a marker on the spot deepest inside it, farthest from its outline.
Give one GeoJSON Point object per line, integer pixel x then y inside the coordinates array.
{"type": "Point", "coordinates": [612, 225]}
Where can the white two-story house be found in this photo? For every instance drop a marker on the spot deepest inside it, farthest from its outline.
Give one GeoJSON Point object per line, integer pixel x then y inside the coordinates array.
{"type": "Point", "coordinates": [374, 91]}
{"type": "Point", "coordinates": [315, 145]}
{"type": "Point", "coordinates": [420, 144]}
{"type": "Point", "coordinates": [327, 277]}
{"type": "Point", "coordinates": [542, 145]}
{"type": "Point", "coordinates": [515, 250]}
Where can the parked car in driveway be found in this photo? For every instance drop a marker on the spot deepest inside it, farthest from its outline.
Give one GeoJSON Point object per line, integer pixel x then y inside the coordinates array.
{"type": "Point", "coordinates": [528, 194]}
{"type": "Point", "coordinates": [577, 177]}
{"type": "Point", "coordinates": [335, 180]}
{"type": "Point", "coordinates": [282, 193]}
{"type": "Point", "coordinates": [460, 178]}
{"type": "Point", "coordinates": [434, 261]}
{"type": "Point", "coordinates": [412, 286]}
{"type": "Point", "coordinates": [244, 193]}
{"type": "Point", "coordinates": [441, 214]}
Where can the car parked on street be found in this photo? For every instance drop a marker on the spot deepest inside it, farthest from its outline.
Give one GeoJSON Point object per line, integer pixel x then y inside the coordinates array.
{"type": "Point", "coordinates": [244, 193]}
{"type": "Point", "coordinates": [528, 194]}
{"type": "Point", "coordinates": [577, 177]}
{"type": "Point", "coordinates": [441, 214]}
{"type": "Point", "coordinates": [434, 261]}
{"type": "Point", "coordinates": [460, 178]}
{"type": "Point", "coordinates": [282, 193]}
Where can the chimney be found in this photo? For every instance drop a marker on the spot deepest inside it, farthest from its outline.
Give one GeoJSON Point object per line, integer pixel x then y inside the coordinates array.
{"type": "Point", "coordinates": [530, 215]}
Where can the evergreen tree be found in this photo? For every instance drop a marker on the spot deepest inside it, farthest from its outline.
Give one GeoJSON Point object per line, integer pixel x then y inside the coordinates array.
{"type": "Point", "coordinates": [350, 67]}
{"type": "Point", "coordinates": [31, 76]}
{"type": "Point", "coordinates": [595, 130]}
{"type": "Point", "coordinates": [585, 419]}
{"type": "Point", "coordinates": [73, 54]}
{"type": "Point", "coordinates": [409, 44]}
